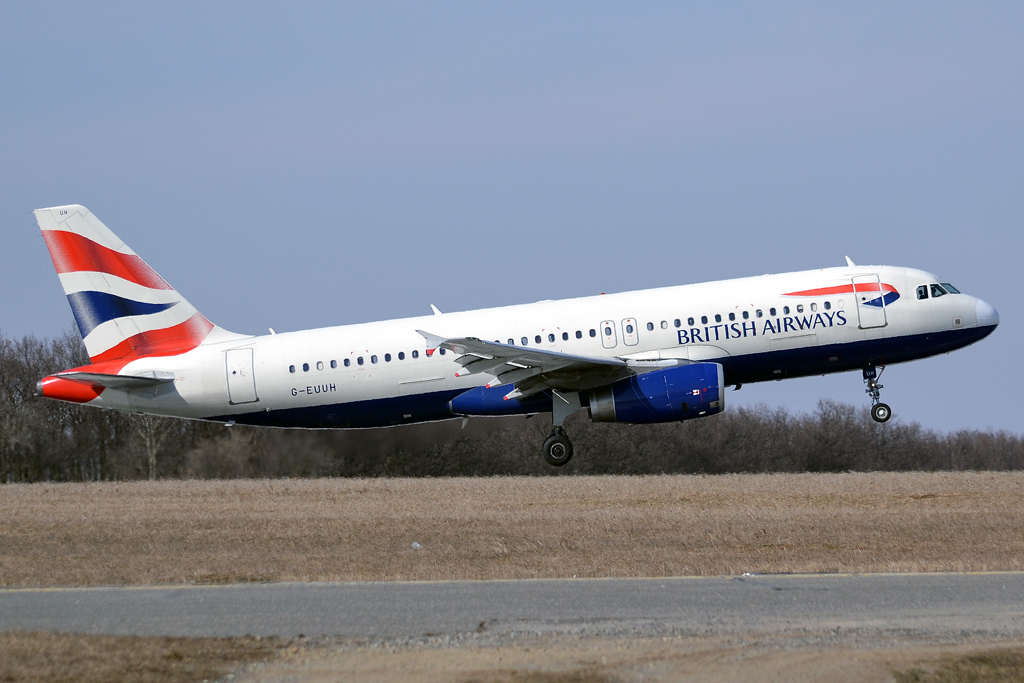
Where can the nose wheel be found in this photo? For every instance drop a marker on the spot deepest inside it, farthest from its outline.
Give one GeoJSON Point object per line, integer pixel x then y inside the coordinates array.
{"type": "Point", "coordinates": [557, 449]}
{"type": "Point", "coordinates": [880, 412]}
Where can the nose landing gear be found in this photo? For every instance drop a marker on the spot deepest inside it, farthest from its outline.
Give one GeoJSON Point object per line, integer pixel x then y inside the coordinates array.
{"type": "Point", "coordinates": [880, 412]}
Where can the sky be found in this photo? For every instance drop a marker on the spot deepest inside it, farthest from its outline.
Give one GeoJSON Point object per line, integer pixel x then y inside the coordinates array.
{"type": "Point", "coordinates": [303, 165]}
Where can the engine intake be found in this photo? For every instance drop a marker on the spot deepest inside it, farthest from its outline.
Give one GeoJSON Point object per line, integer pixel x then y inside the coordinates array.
{"type": "Point", "coordinates": [678, 393]}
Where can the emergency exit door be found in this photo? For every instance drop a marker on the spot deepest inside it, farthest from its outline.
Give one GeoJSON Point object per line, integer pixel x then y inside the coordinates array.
{"type": "Point", "coordinates": [241, 380]}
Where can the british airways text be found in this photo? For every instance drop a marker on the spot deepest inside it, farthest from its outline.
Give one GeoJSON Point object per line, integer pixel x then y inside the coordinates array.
{"type": "Point", "coordinates": [737, 330]}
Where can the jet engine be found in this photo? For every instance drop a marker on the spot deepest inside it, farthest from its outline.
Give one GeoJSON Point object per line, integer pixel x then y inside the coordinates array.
{"type": "Point", "coordinates": [669, 395]}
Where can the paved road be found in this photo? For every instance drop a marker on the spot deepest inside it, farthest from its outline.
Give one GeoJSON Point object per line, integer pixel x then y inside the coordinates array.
{"type": "Point", "coordinates": [982, 605]}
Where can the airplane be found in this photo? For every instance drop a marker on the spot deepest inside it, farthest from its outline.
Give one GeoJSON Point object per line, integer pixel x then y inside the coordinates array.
{"type": "Point", "coordinates": [656, 355]}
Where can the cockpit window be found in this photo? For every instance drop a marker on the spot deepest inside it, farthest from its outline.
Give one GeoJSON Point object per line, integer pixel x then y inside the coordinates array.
{"type": "Point", "coordinates": [937, 291]}
{"type": "Point", "coordinates": [950, 288]}
{"type": "Point", "coordinates": [922, 292]}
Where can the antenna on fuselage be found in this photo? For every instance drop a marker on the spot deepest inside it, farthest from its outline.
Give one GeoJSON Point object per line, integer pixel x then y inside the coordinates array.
{"type": "Point", "coordinates": [850, 263]}
{"type": "Point", "coordinates": [434, 309]}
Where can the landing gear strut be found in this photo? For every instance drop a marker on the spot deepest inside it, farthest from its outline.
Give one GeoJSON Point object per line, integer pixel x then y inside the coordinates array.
{"type": "Point", "coordinates": [880, 412]}
{"type": "Point", "coordinates": [557, 449]}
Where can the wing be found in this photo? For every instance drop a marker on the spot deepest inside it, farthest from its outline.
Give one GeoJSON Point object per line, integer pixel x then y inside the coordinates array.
{"type": "Point", "coordinates": [533, 370]}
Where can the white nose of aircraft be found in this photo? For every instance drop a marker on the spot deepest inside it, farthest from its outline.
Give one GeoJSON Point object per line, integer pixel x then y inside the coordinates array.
{"type": "Point", "coordinates": [986, 314]}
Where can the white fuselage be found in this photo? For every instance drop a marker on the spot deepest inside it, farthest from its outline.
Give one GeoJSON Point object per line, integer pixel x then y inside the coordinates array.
{"type": "Point", "coordinates": [377, 374]}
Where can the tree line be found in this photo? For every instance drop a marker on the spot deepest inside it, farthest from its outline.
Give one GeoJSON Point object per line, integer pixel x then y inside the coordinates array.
{"type": "Point", "coordinates": [44, 440]}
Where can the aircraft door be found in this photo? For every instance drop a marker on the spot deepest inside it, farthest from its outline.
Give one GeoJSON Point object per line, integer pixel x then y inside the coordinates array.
{"type": "Point", "coordinates": [870, 303]}
{"type": "Point", "coordinates": [608, 337]}
{"type": "Point", "coordinates": [630, 336]}
{"type": "Point", "coordinates": [241, 379]}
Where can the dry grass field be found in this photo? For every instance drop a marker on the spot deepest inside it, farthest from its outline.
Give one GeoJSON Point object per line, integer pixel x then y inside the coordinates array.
{"type": "Point", "coordinates": [500, 528]}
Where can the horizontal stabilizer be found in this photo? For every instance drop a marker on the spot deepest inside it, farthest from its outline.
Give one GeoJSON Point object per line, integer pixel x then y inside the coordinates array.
{"type": "Point", "coordinates": [146, 379]}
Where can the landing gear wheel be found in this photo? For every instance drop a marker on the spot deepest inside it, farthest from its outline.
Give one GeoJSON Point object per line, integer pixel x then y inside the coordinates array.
{"type": "Point", "coordinates": [557, 449]}
{"type": "Point", "coordinates": [880, 412]}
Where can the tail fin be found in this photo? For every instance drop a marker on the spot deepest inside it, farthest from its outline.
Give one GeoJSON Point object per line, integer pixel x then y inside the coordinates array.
{"type": "Point", "coordinates": [123, 308]}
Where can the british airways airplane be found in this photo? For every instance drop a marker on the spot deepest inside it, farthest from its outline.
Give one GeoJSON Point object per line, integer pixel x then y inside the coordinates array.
{"type": "Point", "coordinates": [657, 355]}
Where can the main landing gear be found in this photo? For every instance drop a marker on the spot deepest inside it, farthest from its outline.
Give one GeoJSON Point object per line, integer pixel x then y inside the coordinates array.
{"type": "Point", "coordinates": [880, 412]}
{"type": "Point", "coordinates": [557, 449]}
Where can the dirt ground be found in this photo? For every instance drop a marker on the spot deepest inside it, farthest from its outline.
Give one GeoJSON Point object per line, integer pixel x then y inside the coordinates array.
{"type": "Point", "coordinates": [788, 658]}
{"type": "Point", "coordinates": [171, 532]}
{"type": "Point", "coordinates": [760, 659]}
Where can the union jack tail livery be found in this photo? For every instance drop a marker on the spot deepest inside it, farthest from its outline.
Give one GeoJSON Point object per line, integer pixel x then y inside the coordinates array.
{"type": "Point", "coordinates": [124, 310]}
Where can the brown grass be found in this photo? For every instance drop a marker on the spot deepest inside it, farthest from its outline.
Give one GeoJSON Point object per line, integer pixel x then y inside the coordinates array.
{"type": "Point", "coordinates": [345, 529]}
{"type": "Point", "coordinates": [992, 666]}
{"type": "Point", "coordinates": [75, 658]}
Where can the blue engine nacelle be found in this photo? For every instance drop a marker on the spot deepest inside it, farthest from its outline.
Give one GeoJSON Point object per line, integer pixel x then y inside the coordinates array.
{"type": "Point", "coordinates": [669, 395]}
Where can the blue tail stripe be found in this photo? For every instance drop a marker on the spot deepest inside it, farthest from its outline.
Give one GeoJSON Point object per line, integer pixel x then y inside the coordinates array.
{"type": "Point", "coordinates": [92, 309]}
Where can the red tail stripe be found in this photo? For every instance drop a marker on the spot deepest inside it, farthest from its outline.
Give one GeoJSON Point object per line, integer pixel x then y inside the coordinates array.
{"type": "Point", "coordinates": [72, 253]}
{"type": "Point", "coordinates": [844, 289]}
{"type": "Point", "coordinates": [169, 341]}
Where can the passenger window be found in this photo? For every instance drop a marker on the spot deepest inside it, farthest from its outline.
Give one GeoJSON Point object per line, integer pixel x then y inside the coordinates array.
{"type": "Point", "coordinates": [525, 341]}
{"type": "Point", "coordinates": [785, 310]}
{"type": "Point", "coordinates": [937, 291]}
{"type": "Point", "coordinates": [771, 312]}
{"type": "Point", "coordinates": [551, 337]}
{"type": "Point", "coordinates": [650, 327]}
{"type": "Point", "coordinates": [593, 332]}
{"type": "Point", "coordinates": [319, 365]}
{"type": "Point", "coordinates": [664, 324]}
{"type": "Point", "coordinates": [950, 288]}
{"type": "Point", "coordinates": [442, 352]}
{"type": "Point", "coordinates": [758, 313]}
{"type": "Point", "coordinates": [537, 339]}
{"type": "Point", "coordinates": [373, 359]}
{"type": "Point", "coordinates": [718, 317]}
{"type": "Point", "coordinates": [629, 329]}
{"type": "Point", "coordinates": [565, 336]}
{"type": "Point", "coordinates": [828, 305]}
{"type": "Point", "coordinates": [746, 315]}
{"type": "Point", "coordinates": [922, 292]}
{"type": "Point", "coordinates": [814, 307]}
{"type": "Point", "coordinates": [511, 342]}
{"type": "Point", "coordinates": [387, 357]}
{"type": "Point", "coordinates": [415, 354]}
{"type": "Point", "coordinates": [334, 364]}
{"type": "Point", "coordinates": [677, 322]}
{"type": "Point", "coordinates": [359, 361]}
{"type": "Point", "coordinates": [291, 368]}
{"type": "Point", "coordinates": [799, 308]}
{"type": "Point", "coordinates": [732, 316]}
{"type": "Point", "coordinates": [347, 362]}
{"type": "Point", "coordinates": [305, 367]}
{"type": "Point", "coordinates": [579, 334]}
{"type": "Point", "coordinates": [689, 321]}
{"type": "Point", "coordinates": [607, 331]}
{"type": "Point", "coordinates": [401, 355]}
{"type": "Point", "coordinates": [703, 320]}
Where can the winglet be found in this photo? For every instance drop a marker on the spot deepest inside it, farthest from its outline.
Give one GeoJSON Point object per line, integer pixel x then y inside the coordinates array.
{"type": "Point", "coordinates": [433, 341]}
{"type": "Point", "coordinates": [850, 263]}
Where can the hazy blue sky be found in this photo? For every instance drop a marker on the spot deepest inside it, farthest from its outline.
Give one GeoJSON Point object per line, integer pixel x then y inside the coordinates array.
{"type": "Point", "coordinates": [304, 165]}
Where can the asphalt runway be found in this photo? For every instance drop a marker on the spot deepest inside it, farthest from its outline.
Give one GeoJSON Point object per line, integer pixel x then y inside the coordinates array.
{"type": "Point", "coordinates": [988, 605]}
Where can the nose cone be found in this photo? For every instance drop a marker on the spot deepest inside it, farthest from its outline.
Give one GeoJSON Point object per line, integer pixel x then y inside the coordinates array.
{"type": "Point", "coordinates": [987, 316]}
